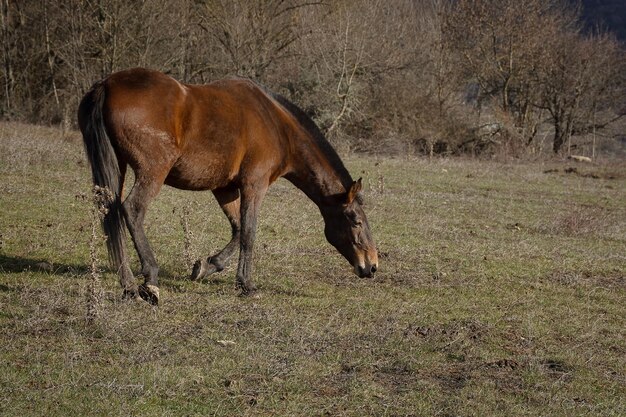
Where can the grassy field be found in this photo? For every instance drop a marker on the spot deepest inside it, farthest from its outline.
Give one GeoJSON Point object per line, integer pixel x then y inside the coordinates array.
{"type": "Point", "coordinates": [501, 291]}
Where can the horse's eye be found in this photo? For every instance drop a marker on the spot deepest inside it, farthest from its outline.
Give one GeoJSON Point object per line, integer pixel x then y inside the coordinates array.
{"type": "Point", "coordinates": [354, 219]}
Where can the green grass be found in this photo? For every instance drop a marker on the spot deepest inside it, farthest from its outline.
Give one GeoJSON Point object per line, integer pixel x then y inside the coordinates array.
{"type": "Point", "coordinates": [501, 291]}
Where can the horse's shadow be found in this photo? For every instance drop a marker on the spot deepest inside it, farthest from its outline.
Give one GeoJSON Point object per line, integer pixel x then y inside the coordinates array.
{"type": "Point", "coordinates": [17, 264]}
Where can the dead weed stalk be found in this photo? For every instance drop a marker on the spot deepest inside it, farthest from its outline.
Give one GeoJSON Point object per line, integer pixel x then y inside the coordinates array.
{"type": "Point", "coordinates": [188, 254]}
{"type": "Point", "coordinates": [101, 198]}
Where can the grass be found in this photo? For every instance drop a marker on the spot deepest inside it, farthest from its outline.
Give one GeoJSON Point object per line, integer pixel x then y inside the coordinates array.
{"type": "Point", "coordinates": [500, 292]}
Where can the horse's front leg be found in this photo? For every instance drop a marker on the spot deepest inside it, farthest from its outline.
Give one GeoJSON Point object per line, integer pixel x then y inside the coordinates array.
{"type": "Point", "coordinates": [229, 201]}
{"type": "Point", "coordinates": [251, 198]}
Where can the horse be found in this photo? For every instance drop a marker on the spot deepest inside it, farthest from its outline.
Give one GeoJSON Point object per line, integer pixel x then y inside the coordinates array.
{"type": "Point", "coordinates": [233, 137]}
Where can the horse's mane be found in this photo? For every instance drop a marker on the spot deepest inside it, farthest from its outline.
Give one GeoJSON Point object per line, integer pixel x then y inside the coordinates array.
{"type": "Point", "coordinates": [309, 126]}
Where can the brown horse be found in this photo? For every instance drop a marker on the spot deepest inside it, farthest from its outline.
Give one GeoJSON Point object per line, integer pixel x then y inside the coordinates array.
{"type": "Point", "coordinates": [232, 137]}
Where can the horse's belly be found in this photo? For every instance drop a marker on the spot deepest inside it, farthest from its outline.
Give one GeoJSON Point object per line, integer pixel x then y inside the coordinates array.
{"type": "Point", "coordinates": [192, 174]}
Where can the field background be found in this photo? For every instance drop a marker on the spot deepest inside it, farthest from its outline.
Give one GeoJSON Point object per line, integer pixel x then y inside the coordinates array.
{"type": "Point", "coordinates": [501, 291]}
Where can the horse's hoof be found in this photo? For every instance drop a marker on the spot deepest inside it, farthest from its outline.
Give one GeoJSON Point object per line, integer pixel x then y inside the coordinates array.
{"type": "Point", "coordinates": [149, 293]}
{"type": "Point", "coordinates": [247, 289]}
{"type": "Point", "coordinates": [201, 269]}
{"type": "Point", "coordinates": [130, 294]}
{"type": "Point", "coordinates": [253, 294]}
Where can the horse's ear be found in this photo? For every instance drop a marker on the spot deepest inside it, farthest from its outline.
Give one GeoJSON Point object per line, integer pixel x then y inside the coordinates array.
{"type": "Point", "coordinates": [354, 190]}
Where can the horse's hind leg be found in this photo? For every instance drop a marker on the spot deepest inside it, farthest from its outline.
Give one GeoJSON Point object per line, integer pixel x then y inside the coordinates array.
{"type": "Point", "coordinates": [127, 280]}
{"type": "Point", "coordinates": [229, 201]}
{"type": "Point", "coordinates": [135, 206]}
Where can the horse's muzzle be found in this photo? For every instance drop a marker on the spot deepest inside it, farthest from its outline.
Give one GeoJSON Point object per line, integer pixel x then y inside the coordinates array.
{"type": "Point", "coordinates": [365, 272]}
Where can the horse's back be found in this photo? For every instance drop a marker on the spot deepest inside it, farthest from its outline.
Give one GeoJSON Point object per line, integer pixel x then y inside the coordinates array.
{"type": "Point", "coordinates": [141, 93]}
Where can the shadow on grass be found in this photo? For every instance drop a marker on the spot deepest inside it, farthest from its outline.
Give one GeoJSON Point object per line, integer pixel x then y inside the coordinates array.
{"type": "Point", "coordinates": [17, 264]}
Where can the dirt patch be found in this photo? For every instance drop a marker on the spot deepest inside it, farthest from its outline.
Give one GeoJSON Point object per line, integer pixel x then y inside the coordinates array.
{"type": "Point", "coordinates": [397, 377]}
{"type": "Point", "coordinates": [580, 220]}
{"type": "Point", "coordinates": [572, 170]}
{"type": "Point", "coordinates": [609, 279]}
{"type": "Point", "coordinates": [587, 173]}
{"type": "Point", "coordinates": [505, 373]}
{"type": "Point", "coordinates": [450, 332]}
{"type": "Point", "coordinates": [454, 379]}
{"type": "Point", "coordinates": [557, 369]}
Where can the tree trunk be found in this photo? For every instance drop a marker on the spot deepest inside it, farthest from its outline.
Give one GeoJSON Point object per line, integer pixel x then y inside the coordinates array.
{"type": "Point", "coordinates": [9, 81]}
{"type": "Point", "coordinates": [559, 137]}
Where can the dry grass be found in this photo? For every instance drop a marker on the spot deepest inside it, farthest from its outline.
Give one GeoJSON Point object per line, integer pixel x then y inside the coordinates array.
{"type": "Point", "coordinates": [500, 292]}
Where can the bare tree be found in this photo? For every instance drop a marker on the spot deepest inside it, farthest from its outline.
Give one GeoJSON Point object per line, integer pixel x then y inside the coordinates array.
{"type": "Point", "coordinates": [375, 75]}
{"type": "Point", "coordinates": [252, 35]}
{"type": "Point", "coordinates": [346, 56]}
{"type": "Point", "coordinates": [501, 43]}
{"type": "Point", "coordinates": [580, 76]}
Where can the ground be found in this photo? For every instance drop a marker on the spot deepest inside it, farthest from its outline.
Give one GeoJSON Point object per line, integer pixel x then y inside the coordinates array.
{"type": "Point", "coordinates": [500, 291]}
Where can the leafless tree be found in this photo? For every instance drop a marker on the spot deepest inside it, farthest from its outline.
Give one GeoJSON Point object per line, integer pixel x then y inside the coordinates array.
{"type": "Point", "coordinates": [346, 56]}
{"type": "Point", "coordinates": [580, 77]}
{"type": "Point", "coordinates": [253, 34]}
{"type": "Point", "coordinates": [376, 75]}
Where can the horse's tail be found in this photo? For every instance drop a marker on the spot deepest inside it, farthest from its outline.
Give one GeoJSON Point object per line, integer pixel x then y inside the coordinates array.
{"type": "Point", "coordinates": [105, 169]}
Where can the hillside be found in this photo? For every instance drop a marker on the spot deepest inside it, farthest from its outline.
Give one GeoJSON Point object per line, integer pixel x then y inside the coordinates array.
{"type": "Point", "coordinates": [500, 293]}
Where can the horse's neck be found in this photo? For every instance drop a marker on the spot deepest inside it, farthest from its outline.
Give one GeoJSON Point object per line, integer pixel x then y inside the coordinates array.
{"type": "Point", "coordinates": [313, 173]}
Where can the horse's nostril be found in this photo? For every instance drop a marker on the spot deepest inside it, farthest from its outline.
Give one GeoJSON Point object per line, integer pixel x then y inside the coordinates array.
{"type": "Point", "coordinates": [373, 268]}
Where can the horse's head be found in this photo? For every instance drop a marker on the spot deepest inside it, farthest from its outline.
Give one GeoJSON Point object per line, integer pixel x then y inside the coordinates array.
{"type": "Point", "coordinates": [348, 231]}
